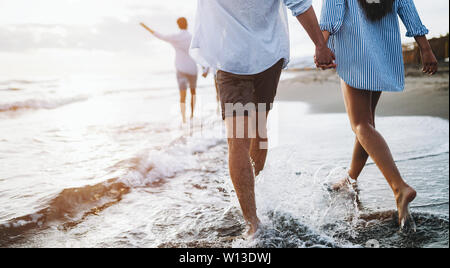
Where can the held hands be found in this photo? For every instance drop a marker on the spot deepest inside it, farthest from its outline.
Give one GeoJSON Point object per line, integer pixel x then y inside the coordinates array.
{"type": "Point", "coordinates": [430, 64]}
{"type": "Point", "coordinates": [324, 58]}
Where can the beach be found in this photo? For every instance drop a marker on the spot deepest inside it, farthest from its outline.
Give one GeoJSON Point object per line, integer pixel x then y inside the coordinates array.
{"type": "Point", "coordinates": [423, 95]}
{"type": "Point", "coordinates": [105, 162]}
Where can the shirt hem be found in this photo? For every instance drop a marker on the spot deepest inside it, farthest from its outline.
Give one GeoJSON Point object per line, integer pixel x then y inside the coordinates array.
{"type": "Point", "coordinates": [263, 69]}
{"type": "Point", "coordinates": [369, 89]}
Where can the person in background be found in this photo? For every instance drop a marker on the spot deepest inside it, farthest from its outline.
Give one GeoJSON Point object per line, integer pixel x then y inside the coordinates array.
{"type": "Point", "coordinates": [247, 41]}
{"type": "Point", "coordinates": [365, 36]}
{"type": "Point", "coordinates": [185, 65]}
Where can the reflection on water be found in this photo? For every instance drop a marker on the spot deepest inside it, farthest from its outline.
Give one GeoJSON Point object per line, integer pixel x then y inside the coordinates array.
{"type": "Point", "coordinates": [116, 170]}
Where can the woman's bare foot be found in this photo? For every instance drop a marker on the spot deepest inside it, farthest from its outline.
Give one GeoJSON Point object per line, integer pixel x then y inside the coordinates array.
{"type": "Point", "coordinates": [342, 184]}
{"type": "Point", "coordinates": [404, 198]}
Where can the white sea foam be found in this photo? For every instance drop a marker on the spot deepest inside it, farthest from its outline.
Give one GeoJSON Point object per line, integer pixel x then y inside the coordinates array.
{"type": "Point", "coordinates": [153, 166]}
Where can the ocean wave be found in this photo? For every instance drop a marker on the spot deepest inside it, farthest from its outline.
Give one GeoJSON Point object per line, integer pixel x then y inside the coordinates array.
{"type": "Point", "coordinates": [71, 206]}
{"type": "Point", "coordinates": [11, 89]}
{"type": "Point", "coordinates": [34, 104]}
{"type": "Point", "coordinates": [27, 82]}
{"type": "Point", "coordinates": [150, 168]}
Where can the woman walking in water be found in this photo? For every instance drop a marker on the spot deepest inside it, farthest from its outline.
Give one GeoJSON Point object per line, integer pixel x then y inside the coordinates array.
{"type": "Point", "coordinates": [365, 36]}
{"type": "Point", "coordinates": [185, 65]}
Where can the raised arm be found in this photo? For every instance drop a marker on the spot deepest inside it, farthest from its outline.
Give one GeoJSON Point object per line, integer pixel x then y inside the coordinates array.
{"type": "Point", "coordinates": [162, 37]}
{"type": "Point", "coordinates": [332, 17]}
{"type": "Point", "coordinates": [410, 17]}
{"type": "Point", "coordinates": [147, 28]}
{"type": "Point", "coordinates": [305, 14]}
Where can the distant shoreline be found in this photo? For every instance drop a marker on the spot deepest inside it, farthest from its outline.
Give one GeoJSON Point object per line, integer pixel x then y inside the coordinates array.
{"type": "Point", "coordinates": [423, 95]}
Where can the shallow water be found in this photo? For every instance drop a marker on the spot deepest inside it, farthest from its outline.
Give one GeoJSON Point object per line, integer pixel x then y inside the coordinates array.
{"type": "Point", "coordinates": [108, 165]}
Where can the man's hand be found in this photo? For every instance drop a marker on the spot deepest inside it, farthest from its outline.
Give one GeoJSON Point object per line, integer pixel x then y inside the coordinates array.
{"type": "Point", "coordinates": [429, 61]}
{"type": "Point", "coordinates": [324, 58]}
{"type": "Point", "coordinates": [147, 28]}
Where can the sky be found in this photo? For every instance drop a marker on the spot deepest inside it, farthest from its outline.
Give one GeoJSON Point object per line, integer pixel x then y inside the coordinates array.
{"type": "Point", "coordinates": [67, 37]}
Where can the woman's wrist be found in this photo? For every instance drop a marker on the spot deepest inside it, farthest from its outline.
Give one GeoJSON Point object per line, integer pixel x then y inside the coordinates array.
{"type": "Point", "coordinates": [426, 49]}
{"type": "Point", "coordinates": [326, 35]}
{"type": "Point", "coordinates": [423, 43]}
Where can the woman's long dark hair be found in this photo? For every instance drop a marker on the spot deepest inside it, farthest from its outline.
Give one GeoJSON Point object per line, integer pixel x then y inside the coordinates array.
{"type": "Point", "coordinates": [375, 10]}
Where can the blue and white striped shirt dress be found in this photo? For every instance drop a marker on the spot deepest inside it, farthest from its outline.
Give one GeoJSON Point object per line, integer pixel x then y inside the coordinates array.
{"type": "Point", "coordinates": [369, 54]}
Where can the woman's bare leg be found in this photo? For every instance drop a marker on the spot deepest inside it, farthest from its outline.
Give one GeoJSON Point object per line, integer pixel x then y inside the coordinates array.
{"type": "Point", "coordinates": [358, 105]}
{"type": "Point", "coordinates": [360, 156]}
{"type": "Point", "coordinates": [183, 104]}
{"type": "Point", "coordinates": [193, 101]}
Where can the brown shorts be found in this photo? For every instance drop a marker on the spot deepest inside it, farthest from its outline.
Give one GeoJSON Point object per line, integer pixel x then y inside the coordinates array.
{"type": "Point", "coordinates": [240, 94]}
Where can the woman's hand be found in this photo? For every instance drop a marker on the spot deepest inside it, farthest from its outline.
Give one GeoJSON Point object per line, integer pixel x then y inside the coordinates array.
{"type": "Point", "coordinates": [430, 64]}
{"type": "Point", "coordinates": [429, 61]}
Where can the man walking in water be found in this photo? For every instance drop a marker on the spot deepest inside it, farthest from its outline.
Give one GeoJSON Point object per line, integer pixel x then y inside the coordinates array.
{"type": "Point", "coordinates": [185, 65]}
{"type": "Point", "coordinates": [248, 42]}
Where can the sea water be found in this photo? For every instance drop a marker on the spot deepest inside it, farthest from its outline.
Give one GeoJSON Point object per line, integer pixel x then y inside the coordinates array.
{"type": "Point", "coordinates": [105, 162]}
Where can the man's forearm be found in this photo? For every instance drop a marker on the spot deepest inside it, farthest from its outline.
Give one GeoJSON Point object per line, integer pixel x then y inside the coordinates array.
{"type": "Point", "coordinates": [311, 25]}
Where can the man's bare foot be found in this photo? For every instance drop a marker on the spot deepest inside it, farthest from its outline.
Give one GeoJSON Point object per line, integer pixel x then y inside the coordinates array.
{"type": "Point", "coordinates": [404, 198]}
{"type": "Point", "coordinates": [342, 184]}
{"type": "Point", "coordinates": [253, 228]}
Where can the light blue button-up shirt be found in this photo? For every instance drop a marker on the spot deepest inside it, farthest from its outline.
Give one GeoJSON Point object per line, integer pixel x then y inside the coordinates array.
{"type": "Point", "coordinates": [243, 36]}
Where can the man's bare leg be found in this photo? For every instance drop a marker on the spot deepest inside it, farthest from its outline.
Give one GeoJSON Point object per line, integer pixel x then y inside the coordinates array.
{"type": "Point", "coordinates": [241, 170]}
{"type": "Point", "coordinates": [259, 145]}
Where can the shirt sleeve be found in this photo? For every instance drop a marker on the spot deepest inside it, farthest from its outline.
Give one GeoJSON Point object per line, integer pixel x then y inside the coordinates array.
{"type": "Point", "coordinates": [410, 17]}
{"type": "Point", "coordinates": [332, 16]}
{"type": "Point", "coordinates": [167, 38]}
{"type": "Point", "coordinates": [298, 7]}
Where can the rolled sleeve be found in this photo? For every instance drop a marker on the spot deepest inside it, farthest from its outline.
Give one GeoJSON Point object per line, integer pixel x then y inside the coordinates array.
{"type": "Point", "coordinates": [411, 19]}
{"type": "Point", "coordinates": [298, 7]}
{"type": "Point", "coordinates": [332, 16]}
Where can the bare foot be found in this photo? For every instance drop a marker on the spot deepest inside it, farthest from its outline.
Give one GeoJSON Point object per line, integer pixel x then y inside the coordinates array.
{"type": "Point", "coordinates": [252, 230]}
{"type": "Point", "coordinates": [344, 183]}
{"type": "Point", "coordinates": [404, 198]}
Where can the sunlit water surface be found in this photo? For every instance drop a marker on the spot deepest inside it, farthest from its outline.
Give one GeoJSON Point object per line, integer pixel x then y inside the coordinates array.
{"type": "Point", "coordinates": [103, 162]}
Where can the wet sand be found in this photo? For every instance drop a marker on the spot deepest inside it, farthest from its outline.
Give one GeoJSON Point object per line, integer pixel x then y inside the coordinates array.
{"type": "Point", "coordinates": [423, 95]}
